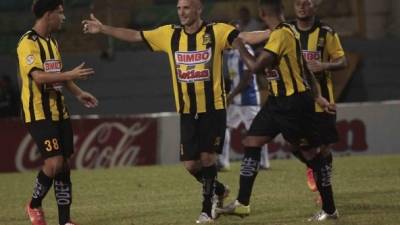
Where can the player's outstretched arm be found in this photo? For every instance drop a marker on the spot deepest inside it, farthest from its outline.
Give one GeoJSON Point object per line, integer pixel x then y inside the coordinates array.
{"type": "Point", "coordinates": [94, 26]}
{"type": "Point", "coordinates": [336, 64]}
{"type": "Point", "coordinates": [78, 73]}
{"type": "Point", "coordinates": [316, 90]}
{"type": "Point", "coordinates": [255, 37]}
{"type": "Point", "coordinates": [87, 99]}
{"type": "Point", "coordinates": [255, 65]}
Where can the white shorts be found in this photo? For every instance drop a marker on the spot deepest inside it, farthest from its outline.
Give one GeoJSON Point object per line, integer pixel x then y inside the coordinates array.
{"type": "Point", "coordinates": [241, 114]}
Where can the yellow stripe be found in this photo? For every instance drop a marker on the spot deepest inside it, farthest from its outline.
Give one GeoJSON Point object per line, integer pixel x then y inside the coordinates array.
{"type": "Point", "coordinates": [274, 86]}
{"type": "Point", "coordinates": [199, 86]}
{"type": "Point", "coordinates": [53, 106]}
{"type": "Point", "coordinates": [174, 79]}
{"type": "Point", "coordinates": [186, 100]}
{"type": "Point", "coordinates": [330, 88]}
{"type": "Point", "coordinates": [183, 44]}
{"type": "Point", "coordinates": [288, 81]}
{"type": "Point", "coordinates": [219, 94]}
{"type": "Point", "coordinates": [25, 97]}
{"type": "Point", "coordinates": [312, 40]}
{"type": "Point", "coordinates": [37, 102]}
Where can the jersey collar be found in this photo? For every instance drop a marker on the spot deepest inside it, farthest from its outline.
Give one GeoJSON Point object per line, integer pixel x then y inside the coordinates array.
{"type": "Point", "coordinates": [317, 24]}
{"type": "Point", "coordinates": [197, 31]}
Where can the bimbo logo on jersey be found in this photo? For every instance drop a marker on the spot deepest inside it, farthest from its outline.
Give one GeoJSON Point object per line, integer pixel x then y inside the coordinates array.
{"type": "Point", "coordinates": [193, 57]}
{"type": "Point", "coordinates": [52, 66]}
{"type": "Point", "coordinates": [311, 55]}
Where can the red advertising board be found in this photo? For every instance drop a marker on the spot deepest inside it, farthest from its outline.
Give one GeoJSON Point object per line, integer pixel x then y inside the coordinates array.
{"type": "Point", "coordinates": [352, 138]}
{"type": "Point", "coordinates": [99, 143]}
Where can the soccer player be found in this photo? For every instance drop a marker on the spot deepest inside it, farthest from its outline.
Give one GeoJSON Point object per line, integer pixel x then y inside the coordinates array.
{"type": "Point", "coordinates": [323, 53]}
{"type": "Point", "coordinates": [44, 111]}
{"type": "Point", "coordinates": [194, 50]}
{"type": "Point", "coordinates": [244, 104]}
{"type": "Point", "coordinates": [289, 110]}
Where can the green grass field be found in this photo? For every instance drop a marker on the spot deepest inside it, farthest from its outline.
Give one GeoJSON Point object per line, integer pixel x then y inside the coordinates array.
{"type": "Point", "coordinates": [367, 190]}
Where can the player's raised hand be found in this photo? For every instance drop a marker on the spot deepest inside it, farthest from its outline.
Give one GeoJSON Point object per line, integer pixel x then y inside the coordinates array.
{"type": "Point", "coordinates": [91, 26]}
{"type": "Point", "coordinates": [80, 72]}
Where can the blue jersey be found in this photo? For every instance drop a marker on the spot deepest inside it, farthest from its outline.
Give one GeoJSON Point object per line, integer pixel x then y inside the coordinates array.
{"type": "Point", "coordinates": [250, 96]}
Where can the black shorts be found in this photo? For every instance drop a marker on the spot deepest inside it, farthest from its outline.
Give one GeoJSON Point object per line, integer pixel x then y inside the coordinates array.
{"type": "Point", "coordinates": [204, 132]}
{"type": "Point", "coordinates": [327, 128]}
{"type": "Point", "coordinates": [53, 138]}
{"type": "Point", "coordinates": [293, 116]}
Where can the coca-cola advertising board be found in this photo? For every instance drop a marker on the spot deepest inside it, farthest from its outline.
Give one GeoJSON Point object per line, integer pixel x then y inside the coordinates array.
{"type": "Point", "coordinates": [98, 143]}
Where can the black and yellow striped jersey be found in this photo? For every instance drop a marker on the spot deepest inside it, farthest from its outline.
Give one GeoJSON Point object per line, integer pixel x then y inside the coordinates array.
{"type": "Point", "coordinates": [196, 63]}
{"type": "Point", "coordinates": [321, 43]}
{"type": "Point", "coordinates": [287, 76]}
{"type": "Point", "coordinates": [40, 101]}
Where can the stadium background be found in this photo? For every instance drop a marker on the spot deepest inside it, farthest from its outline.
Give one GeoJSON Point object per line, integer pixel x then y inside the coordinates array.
{"type": "Point", "coordinates": [133, 84]}
{"type": "Point", "coordinates": [127, 81]}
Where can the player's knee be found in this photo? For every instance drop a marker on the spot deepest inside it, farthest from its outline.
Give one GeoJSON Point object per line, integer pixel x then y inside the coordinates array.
{"type": "Point", "coordinates": [325, 150]}
{"type": "Point", "coordinates": [251, 141]}
{"type": "Point", "coordinates": [192, 166]}
{"type": "Point", "coordinates": [54, 165]}
{"type": "Point", "coordinates": [208, 159]}
{"type": "Point", "coordinates": [309, 154]}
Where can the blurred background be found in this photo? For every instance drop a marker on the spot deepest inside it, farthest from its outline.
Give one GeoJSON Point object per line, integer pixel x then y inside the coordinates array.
{"type": "Point", "coordinates": [130, 80]}
{"type": "Point", "coordinates": [127, 81]}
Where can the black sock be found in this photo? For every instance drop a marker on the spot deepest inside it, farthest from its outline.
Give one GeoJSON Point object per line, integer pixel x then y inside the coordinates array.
{"type": "Point", "coordinates": [209, 177]}
{"type": "Point", "coordinates": [42, 185]}
{"type": "Point", "coordinates": [248, 172]}
{"type": "Point", "coordinates": [63, 192]}
{"type": "Point", "coordinates": [322, 168]}
{"type": "Point", "coordinates": [219, 187]}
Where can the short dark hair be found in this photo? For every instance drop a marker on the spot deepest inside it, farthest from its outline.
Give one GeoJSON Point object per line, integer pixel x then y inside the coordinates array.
{"type": "Point", "coordinates": [274, 5]}
{"type": "Point", "coordinates": [40, 7]}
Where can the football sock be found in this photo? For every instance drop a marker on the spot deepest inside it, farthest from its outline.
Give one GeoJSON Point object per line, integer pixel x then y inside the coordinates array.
{"type": "Point", "coordinates": [322, 167]}
{"type": "Point", "coordinates": [42, 185]}
{"type": "Point", "coordinates": [219, 187]}
{"type": "Point", "coordinates": [209, 177]}
{"type": "Point", "coordinates": [63, 193]}
{"type": "Point", "coordinates": [248, 172]}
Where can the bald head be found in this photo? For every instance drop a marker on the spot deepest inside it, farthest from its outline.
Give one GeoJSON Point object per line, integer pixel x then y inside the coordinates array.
{"type": "Point", "coordinates": [199, 3]}
{"type": "Point", "coordinates": [195, 3]}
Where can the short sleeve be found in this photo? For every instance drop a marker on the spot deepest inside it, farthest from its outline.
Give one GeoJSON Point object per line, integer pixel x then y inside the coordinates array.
{"type": "Point", "coordinates": [333, 46]}
{"type": "Point", "coordinates": [29, 55]}
{"type": "Point", "coordinates": [277, 42]}
{"type": "Point", "coordinates": [228, 33]}
{"type": "Point", "coordinates": [159, 38]}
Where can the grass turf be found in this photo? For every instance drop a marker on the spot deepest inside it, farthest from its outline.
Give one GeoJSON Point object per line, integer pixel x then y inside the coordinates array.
{"type": "Point", "coordinates": [366, 188]}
